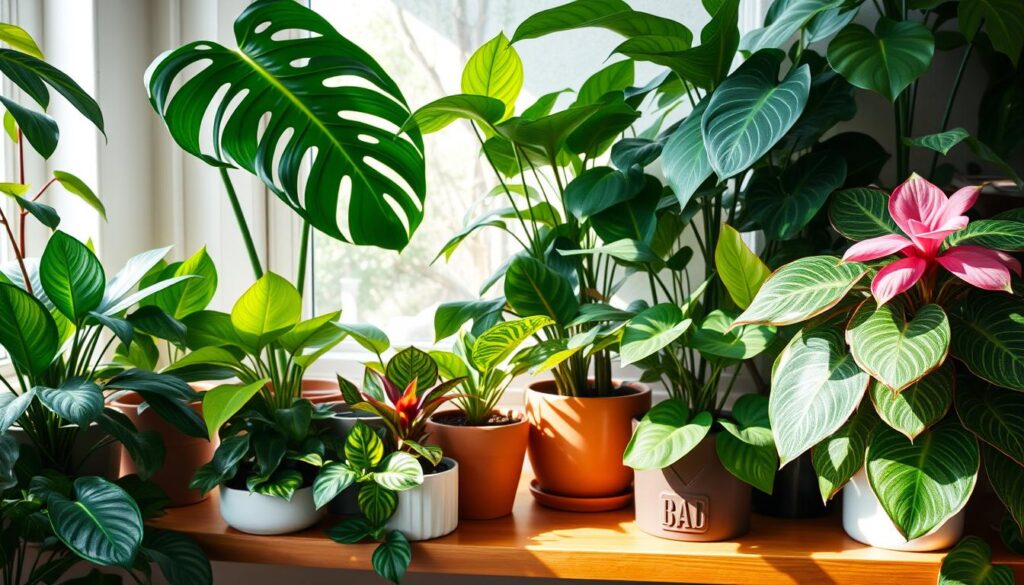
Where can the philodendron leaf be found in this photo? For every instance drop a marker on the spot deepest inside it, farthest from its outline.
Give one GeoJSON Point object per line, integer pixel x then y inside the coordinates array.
{"type": "Point", "coordinates": [784, 203]}
{"type": "Point", "coordinates": [816, 385]}
{"type": "Point", "coordinates": [651, 331]}
{"type": "Point", "coordinates": [336, 110]}
{"type": "Point", "coordinates": [40, 130]}
{"type": "Point", "coordinates": [392, 557]}
{"type": "Point", "coordinates": [684, 159]}
{"type": "Point", "coordinates": [599, 188]}
{"type": "Point", "coordinates": [885, 61]}
{"type": "Point", "coordinates": [377, 502]}
{"type": "Point", "coordinates": [717, 337]}
{"type": "Point", "coordinates": [72, 276]}
{"type": "Point", "coordinates": [841, 455]}
{"type": "Point", "coordinates": [101, 524]}
{"type": "Point", "coordinates": [862, 213]}
{"type": "Point", "coordinates": [895, 350]}
{"type": "Point", "coordinates": [747, 449]}
{"type": "Point", "coordinates": [19, 39]}
{"type": "Point", "coordinates": [1007, 479]}
{"type": "Point", "coordinates": [920, 405]}
{"type": "Point", "coordinates": [942, 142]}
{"type": "Point", "coordinates": [80, 189]}
{"type": "Point", "coordinates": [533, 288]}
{"type": "Point", "coordinates": [399, 471]}
{"type": "Point", "coordinates": [751, 111]}
{"type": "Point", "coordinates": [496, 71]}
{"type": "Point", "coordinates": [77, 400]}
{"type": "Point", "coordinates": [180, 559]}
{"type": "Point", "coordinates": [970, 563]}
{"type": "Point", "coordinates": [665, 435]}
{"type": "Point", "coordinates": [922, 484]}
{"type": "Point", "coordinates": [266, 311]}
{"type": "Point", "coordinates": [1003, 20]}
{"type": "Point", "coordinates": [994, 414]}
{"type": "Point", "coordinates": [741, 270]}
{"type": "Point", "coordinates": [194, 294]}
{"type": "Point", "coordinates": [223, 402]}
{"type": "Point", "coordinates": [498, 342]}
{"type": "Point", "coordinates": [786, 19]}
{"type": "Point", "coordinates": [988, 337]}
{"type": "Point", "coordinates": [27, 330]}
{"type": "Point", "coordinates": [802, 289]}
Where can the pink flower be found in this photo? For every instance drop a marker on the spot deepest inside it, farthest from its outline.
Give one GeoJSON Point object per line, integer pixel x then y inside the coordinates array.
{"type": "Point", "coordinates": [925, 214]}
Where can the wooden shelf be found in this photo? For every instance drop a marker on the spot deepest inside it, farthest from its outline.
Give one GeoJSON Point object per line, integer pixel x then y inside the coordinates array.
{"type": "Point", "coordinates": [538, 542]}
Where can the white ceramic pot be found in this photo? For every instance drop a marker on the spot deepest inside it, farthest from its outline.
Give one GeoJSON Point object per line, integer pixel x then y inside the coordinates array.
{"type": "Point", "coordinates": [432, 509]}
{"type": "Point", "coordinates": [865, 520]}
{"type": "Point", "coordinates": [259, 514]}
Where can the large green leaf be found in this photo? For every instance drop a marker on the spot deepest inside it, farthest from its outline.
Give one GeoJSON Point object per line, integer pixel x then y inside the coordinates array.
{"type": "Point", "coordinates": [223, 402]}
{"type": "Point", "coordinates": [377, 502]}
{"type": "Point", "coordinates": [747, 448]}
{"type": "Point", "coordinates": [440, 113]}
{"type": "Point", "coordinates": [886, 61]}
{"type": "Point", "coordinates": [333, 479]}
{"type": "Point", "coordinates": [784, 203]}
{"type": "Point", "coordinates": [145, 448]}
{"type": "Point", "coordinates": [102, 524]}
{"type": "Point", "coordinates": [922, 483]}
{"type": "Point", "coordinates": [864, 156]}
{"type": "Point", "coordinates": [77, 400]}
{"type": "Point", "coordinates": [363, 448]}
{"type": "Point", "coordinates": [741, 270]}
{"type": "Point", "coordinates": [32, 75]}
{"type": "Point", "coordinates": [267, 310]}
{"type": "Point", "coordinates": [862, 213]}
{"type": "Point", "coordinates": [19, 39]}
{"type": "Point", "coordinates": [412, 364]}
{"type": "Point", "coordinates": [80, 189]}
{"type": "Point", "coordinates": [613, 15]}
{"type": "Point", "coordinates": [72, 276]}
{"type": "Point", "coordinates": [970, 563]}
{"type": "Point", "coordinates": [651, 331]}
{"type": "Point", "coordinates": [599, 188]}
{"type": "Point", "coordinates": [399, 471]}
{"type": "Point", "coordinates": [1000, 234]}
{"type": "Point", "coordinates": [450, 317]}
{"type": "Point", "coordinates": [27, 330]}
{"type": "Point", "coordinates": [368, 336]}
{"type": "Point", "coordinates": [168, 395]}
{"type": "Point", "coordinates": [897, 350]}
{"type": "Point", "coordinates": [544, 137]}
{"type": "Point", "coordinates": [665, 435]}
{"type": "Point", "coordinates": [1007, 478]}
{"type": "Point", "coordinates": [535, 289]}
{"type": "Point", "coordinates": [12, 406]}
{"type": "Point", "coordinates": [299, 81]}
{"type": "Point", "coordinates": [1003, 20]}
{"type": "Point", "coordinates": [498, 342]}
{"type": "Point", "coordinates": [392, 557]}
{"type": "Point", "coordinates": [613, 78]}
{"type": "Point", "coordinates": [788, 17]}
{"type": "Point", "coordinates": [917, 407]}
{"type": "Point", "coordinates": [751, 111]}
{"type": "Point", "coordinates": [988, 336]}
{"type": "Point", "coordinates": [282, 484]}
{"type": "Point", "coordinates": [194, 294]}
{"type": "Point", "coordinates": [684, 159]}
{"type": "Point", "coordinates": [816, 385]}
{"type": "Point", "coordinates": [40, 130]}
{"type": "Point", "coordinates": [802, 289]}
{"type": "Point", "coordinates": [134, 270]}
{"type": "Point", "coordinates": [994, 414]}
{"type": "Point", "coordinates": [180, 559]}
{"type": "Point", "coordinates": [841, 455]}
{"type": "Point", "coordinates": [496, 71]}
{"type": "Point", "coordinates": [717, 337]}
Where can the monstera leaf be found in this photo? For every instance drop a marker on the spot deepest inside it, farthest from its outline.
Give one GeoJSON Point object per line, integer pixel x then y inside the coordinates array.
{"type": "Point", "coordinates": [288, 99]}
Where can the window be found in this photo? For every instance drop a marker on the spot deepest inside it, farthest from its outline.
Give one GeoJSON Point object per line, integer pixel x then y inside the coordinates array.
{"type": "Point", "coordinates": [424, 45]}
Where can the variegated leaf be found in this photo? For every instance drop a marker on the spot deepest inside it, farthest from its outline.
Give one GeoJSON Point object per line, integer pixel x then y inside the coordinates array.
{"type": "Point", "coordinates": [894, 350]}
{"type": "Point", "coordinates": [988, 336]}
{"type": "Point", "coordinates": [802, 289]}
{"type": "Point", "coordinates": [498, 342]}
{"type": "Point", "coordinates": [918, 407]}
{"type": "Point", "coordinates": [994, 414]}
{"type": "Point", "coordinates": [840, 456]}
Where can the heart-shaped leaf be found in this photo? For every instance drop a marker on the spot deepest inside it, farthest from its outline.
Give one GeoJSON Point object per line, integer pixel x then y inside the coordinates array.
{"type": "Point", "coordinates": [886, 61]}
{"type": "Point", "coordinates": [816, 385]}
{"type": "Point", "coordinates": [747, 448]}
{"type": "Point", "coordinates": [751, 111]}
{"type": "Point", "coordinates": [994, 414]}
{"type": "Point", "coordinates": [101, 525]}
{"type": "Point", "coordinates": [988, 336]}
{"type": "Point", "coordinates": [783, 204]}
{"type": "Point", "coordinates": [941, 142]}
{"type": "Point", "coordinates": [925, 482]}
{"type": "Point", "coordinates": [784, 20]}
{"type": "Point", "coordinates": [716, 337]}
{"type": "Point", "coordinates": [859, 214]}
{"type": "Point", "coordinates": [665, 435]}
{"type": "Point", "coordinates": [496, 71]}
{"type": "Point", "coordinates": [1003, 20]}
{"type": "Point", "coordinates": [400, 471]}
{"type": "Point", "coordinates": [917, 407]}
{"type": "Point", "coordinates": [223, 402]}
{"type": "Point", "coordinates": [1007, 478]}
{"type": "Point", "coordinates": [802, 289]}
{"type": "Point", "coordinates": [341, 129]}
{"type": "Point", "coordinates": [970, 563]}
{"type": "Point", "coordinates": [841, 455]}
{"type": "Point", "coordinates": [894, 350]}
{"type": "Point", "coordinates": [377, 502]}
{"type": "Point", "coordinates": [535, 289]}
{"type": "Point", "coordinates": [266, 311]}
{"type": "Point", "coordinates": [72, 276]}
{"type": "Point", "coordinates": [392, 557]}
{"type": "Point", "coordinates": [363, 448]}
{"type": "Point", "coordinates": [652, 330]}
{"type": "Point", "coordinates": [191, 295]}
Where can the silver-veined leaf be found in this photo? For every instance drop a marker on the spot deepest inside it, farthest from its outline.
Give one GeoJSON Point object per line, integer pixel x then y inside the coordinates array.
{"type": "Point", "coordinates": [802, 289]}
{"type": "Point", "coordinates": [895, 349]}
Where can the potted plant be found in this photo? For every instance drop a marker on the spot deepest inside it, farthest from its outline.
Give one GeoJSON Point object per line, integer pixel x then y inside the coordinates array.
{"type": "Point", "coordinates": [488, 444]}
{"type": "Point", "coordinates": [62, 500]}
{"type": "Point", "coordinates": [408, 489]}
{"type": "Point", "coordinates": [867, 382]}
{"type": "Point", "coordinates": [541, 160]}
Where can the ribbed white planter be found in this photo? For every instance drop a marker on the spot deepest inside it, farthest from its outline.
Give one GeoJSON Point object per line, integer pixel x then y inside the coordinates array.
{"type": "Point", "coordinates": [259, 514]}
{"type": "Point", "coordinates": [432, 509]}
{"type": "Point", "coordinates": [865, 520]}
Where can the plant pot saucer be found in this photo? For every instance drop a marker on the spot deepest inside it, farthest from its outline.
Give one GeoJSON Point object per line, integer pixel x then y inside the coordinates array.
{"type": "Point", "coordinates": [580, 504]}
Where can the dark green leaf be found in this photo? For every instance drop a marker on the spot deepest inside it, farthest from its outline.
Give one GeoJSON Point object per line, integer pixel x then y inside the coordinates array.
{"type": "Point", "coordinates": [102, 524]}
{"type": "Point", "coordinates": [39, 129]}
{"type": "Point", "coordinates": [77, 400]}
{"type": "Point", "coordinates": [223, 466]}
{"type": "Point", "coordinates": [72, 276]}
{"type": "Point", "coordinates": [886, 61]}
{"type": "Point", "coordinates": [392, 557]}
{"type": "Point", "coordinates": [970, 563]}
{"type": "Point", "coordinates": [534, 289]}
{"type": "Point", "coordinates": [180, 559]}
{"type": "Point", "coordinates": [377, 502]}
{"type": "Point", "coordinates": [987, 336]}
{"type": "Point", "coordinates": [783, 204]}
{"type": "Point", "coordinates": [994, 414]}
{"type": "Point", "coordinates": [860, 214]}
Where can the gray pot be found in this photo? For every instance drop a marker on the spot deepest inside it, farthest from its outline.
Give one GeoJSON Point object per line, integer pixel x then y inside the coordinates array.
{"type": "Point", "coordinates": [342, 424]}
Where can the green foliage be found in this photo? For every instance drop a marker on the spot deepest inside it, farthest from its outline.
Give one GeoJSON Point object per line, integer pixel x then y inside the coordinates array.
{"type": "Point", "coordinates": [102, 524]}
{"type": "Point", "coordinates": [896, 350]}
{"type": "Point", "coordinates": [885, 61]}
{"type": "Point", "coordinates": [970, 563]}
{"type": "Point", "coordinates": [747, 448]}
{"type": "Point", "coordinates": [665, 435]}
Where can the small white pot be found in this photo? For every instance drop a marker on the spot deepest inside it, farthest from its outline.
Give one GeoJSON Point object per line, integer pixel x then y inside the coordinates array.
{"type": "Point", "coordinates": [432, 509]}
{"type": "Point", "coordinates": [259, 514]}
{"type": "Point", "coordinates": [865, 520]}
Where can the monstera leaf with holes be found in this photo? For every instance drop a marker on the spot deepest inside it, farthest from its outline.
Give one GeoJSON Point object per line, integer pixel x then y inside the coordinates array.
{"type": "Point", "coordinates": [290, 101]}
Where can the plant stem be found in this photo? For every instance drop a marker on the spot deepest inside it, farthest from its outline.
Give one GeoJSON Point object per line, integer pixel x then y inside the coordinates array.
{"type": "Point", "coordinates": [243, 225]}
{"type": "Point", "coordinates": [17, 251]}
{"type": "Point", "coordinates": [300, 277]}
{"type": "Point", "coordinates": [950, 100]}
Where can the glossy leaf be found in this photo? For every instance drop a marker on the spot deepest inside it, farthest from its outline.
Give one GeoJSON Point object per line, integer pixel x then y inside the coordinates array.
{"type": "Point", "coordinates": [860, 214]}
{"type": "Point", "coordinates": [12, 406]}
{"type": "Point", "coordinates": [788, 18]}
{"type": "Point", "coordinates": [651, 331]}
{"type": "Point", "coordinates": [392, 557]}
{"type": "Point", "coordinates": [27, 331]}
{"type": "Point", "coordinates": [783, 204]}
{"type": "Point", "coordinates": [665, 435]}
{"type": "Point", "coordinates": [77, 400]}
{"type": "Point", "coordinates": [412, 364]}
{"type": "Point", "coordinates": [635, 151]}
{"type": "Point", "coordinates": [223, 466]}
{"type": "Point", "coordinates": [80, 189]}
{"type": "Point", "coordinates": [751, 111]}
{"type": "Point", "coordinates": [368, 336]}
{"type": "Point", "coordinates": [923, 483]}
{"type": "Point", "coordinates": [135, 269]}
{"type": "Point", "coordinates": [377, 502]}
{"type": "Point", "coordinates": [535, 289]}
{"type": "Point", "coordinates": [994, 414]}
{"type": "Point", "coordinates": [998, 234]}
{"type": "Point", "coordinates": [1003, 21]}
{"type": "Point", "coordinates": [39, 129]}
{"type": "Point", "coordinates": [1007, 479]}
{"type": "Point", "coordinates": [895, 349]}
{"type": "Point", "coordinates": [716, 337]}
{"type": "Point", "coordinates": [282, 484]}
{"type": "Point", "coordinates": [19, 39]}
{"type": "Point", "coordinates": [223, 402]}
{"type": "Point", "coordinates": [72, 276]}
{"type": "Point", "coordinates": [496, 71]}
{"type": "Point", "coordinates": [917, 407]}
{"type": "Point", "coordinates": [599, 188]}
{"type": "Point", "coordinates": [816, 385]}
{"type": "Point", "coordinates": [450, 317]}
{"type": "Point", "coordinates": [746, 448]}
{"type": "Point", "coordinates": [440, 113]}
{"type": "Point", "coordinates": [44, 214]}
{"type": "Point", "coordinates": [363, 448]}
{"type": "Point", "coordinates": [302, 80]}
{"type": "Point", "coordinates": [970, 563]}
{"type": "Point", "coordinates": [32, 75]}
{"type": "Point", "coordinates": [840, 456]}
{"type": "Point", "coordinates": [192, 295]}
{"type": "Point", "coordinates": [988, 337]}
{"type": "Point", "coordinates": [941, 142]}
{"type": "Point", "coordinates": [9, 451]}
{"type": "Point", "coordinates": [101, 525]}
{"type": "Point", "coordinates": [399, 471]}
{"type": "Point", "coordinates": [613, 15]}
{"type": "Point", "coordinates": [267, 310]}
{"type": "Point", "coordinates": [885, 61]}
{"type": "Point", "coordinates": [741, 270]}
{"type": "Point", "coordinates": [498, 342]}
{"type": "Point", "coordinates": [802, 289]}
{"type": "Point", "coordinates": [350, 530]}
{"type": "Point", "coordinates": [146, 448]}
{"type": "Point", "coordinates": [180, 559]}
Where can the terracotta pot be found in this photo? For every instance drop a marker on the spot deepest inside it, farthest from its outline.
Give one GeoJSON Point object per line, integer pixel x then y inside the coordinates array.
{"type": "Point", "coordinates": [865, 520]}
{"type": "Point", "coordinates": [430, 510]}
{"type": "Point", "coordinates": [490, 462]}
{"type": "Point", "coordinates": [184, 454]}
{"type": "Point", "coordinates": [576, 444]}
{"type": "Point", "coordinates": [695, 499]}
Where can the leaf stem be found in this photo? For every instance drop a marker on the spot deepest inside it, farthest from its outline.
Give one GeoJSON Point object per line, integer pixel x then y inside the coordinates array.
{"type": "Point", "coordinates": [949, 102]}
{"type": "Point", "coordinates": [300, 277]}
{"type": "Point", "coordinates": [243, 225]}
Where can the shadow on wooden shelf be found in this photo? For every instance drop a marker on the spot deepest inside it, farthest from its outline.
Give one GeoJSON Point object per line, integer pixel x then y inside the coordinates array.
{"type": "Point", "coordinates": [539, 542]}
